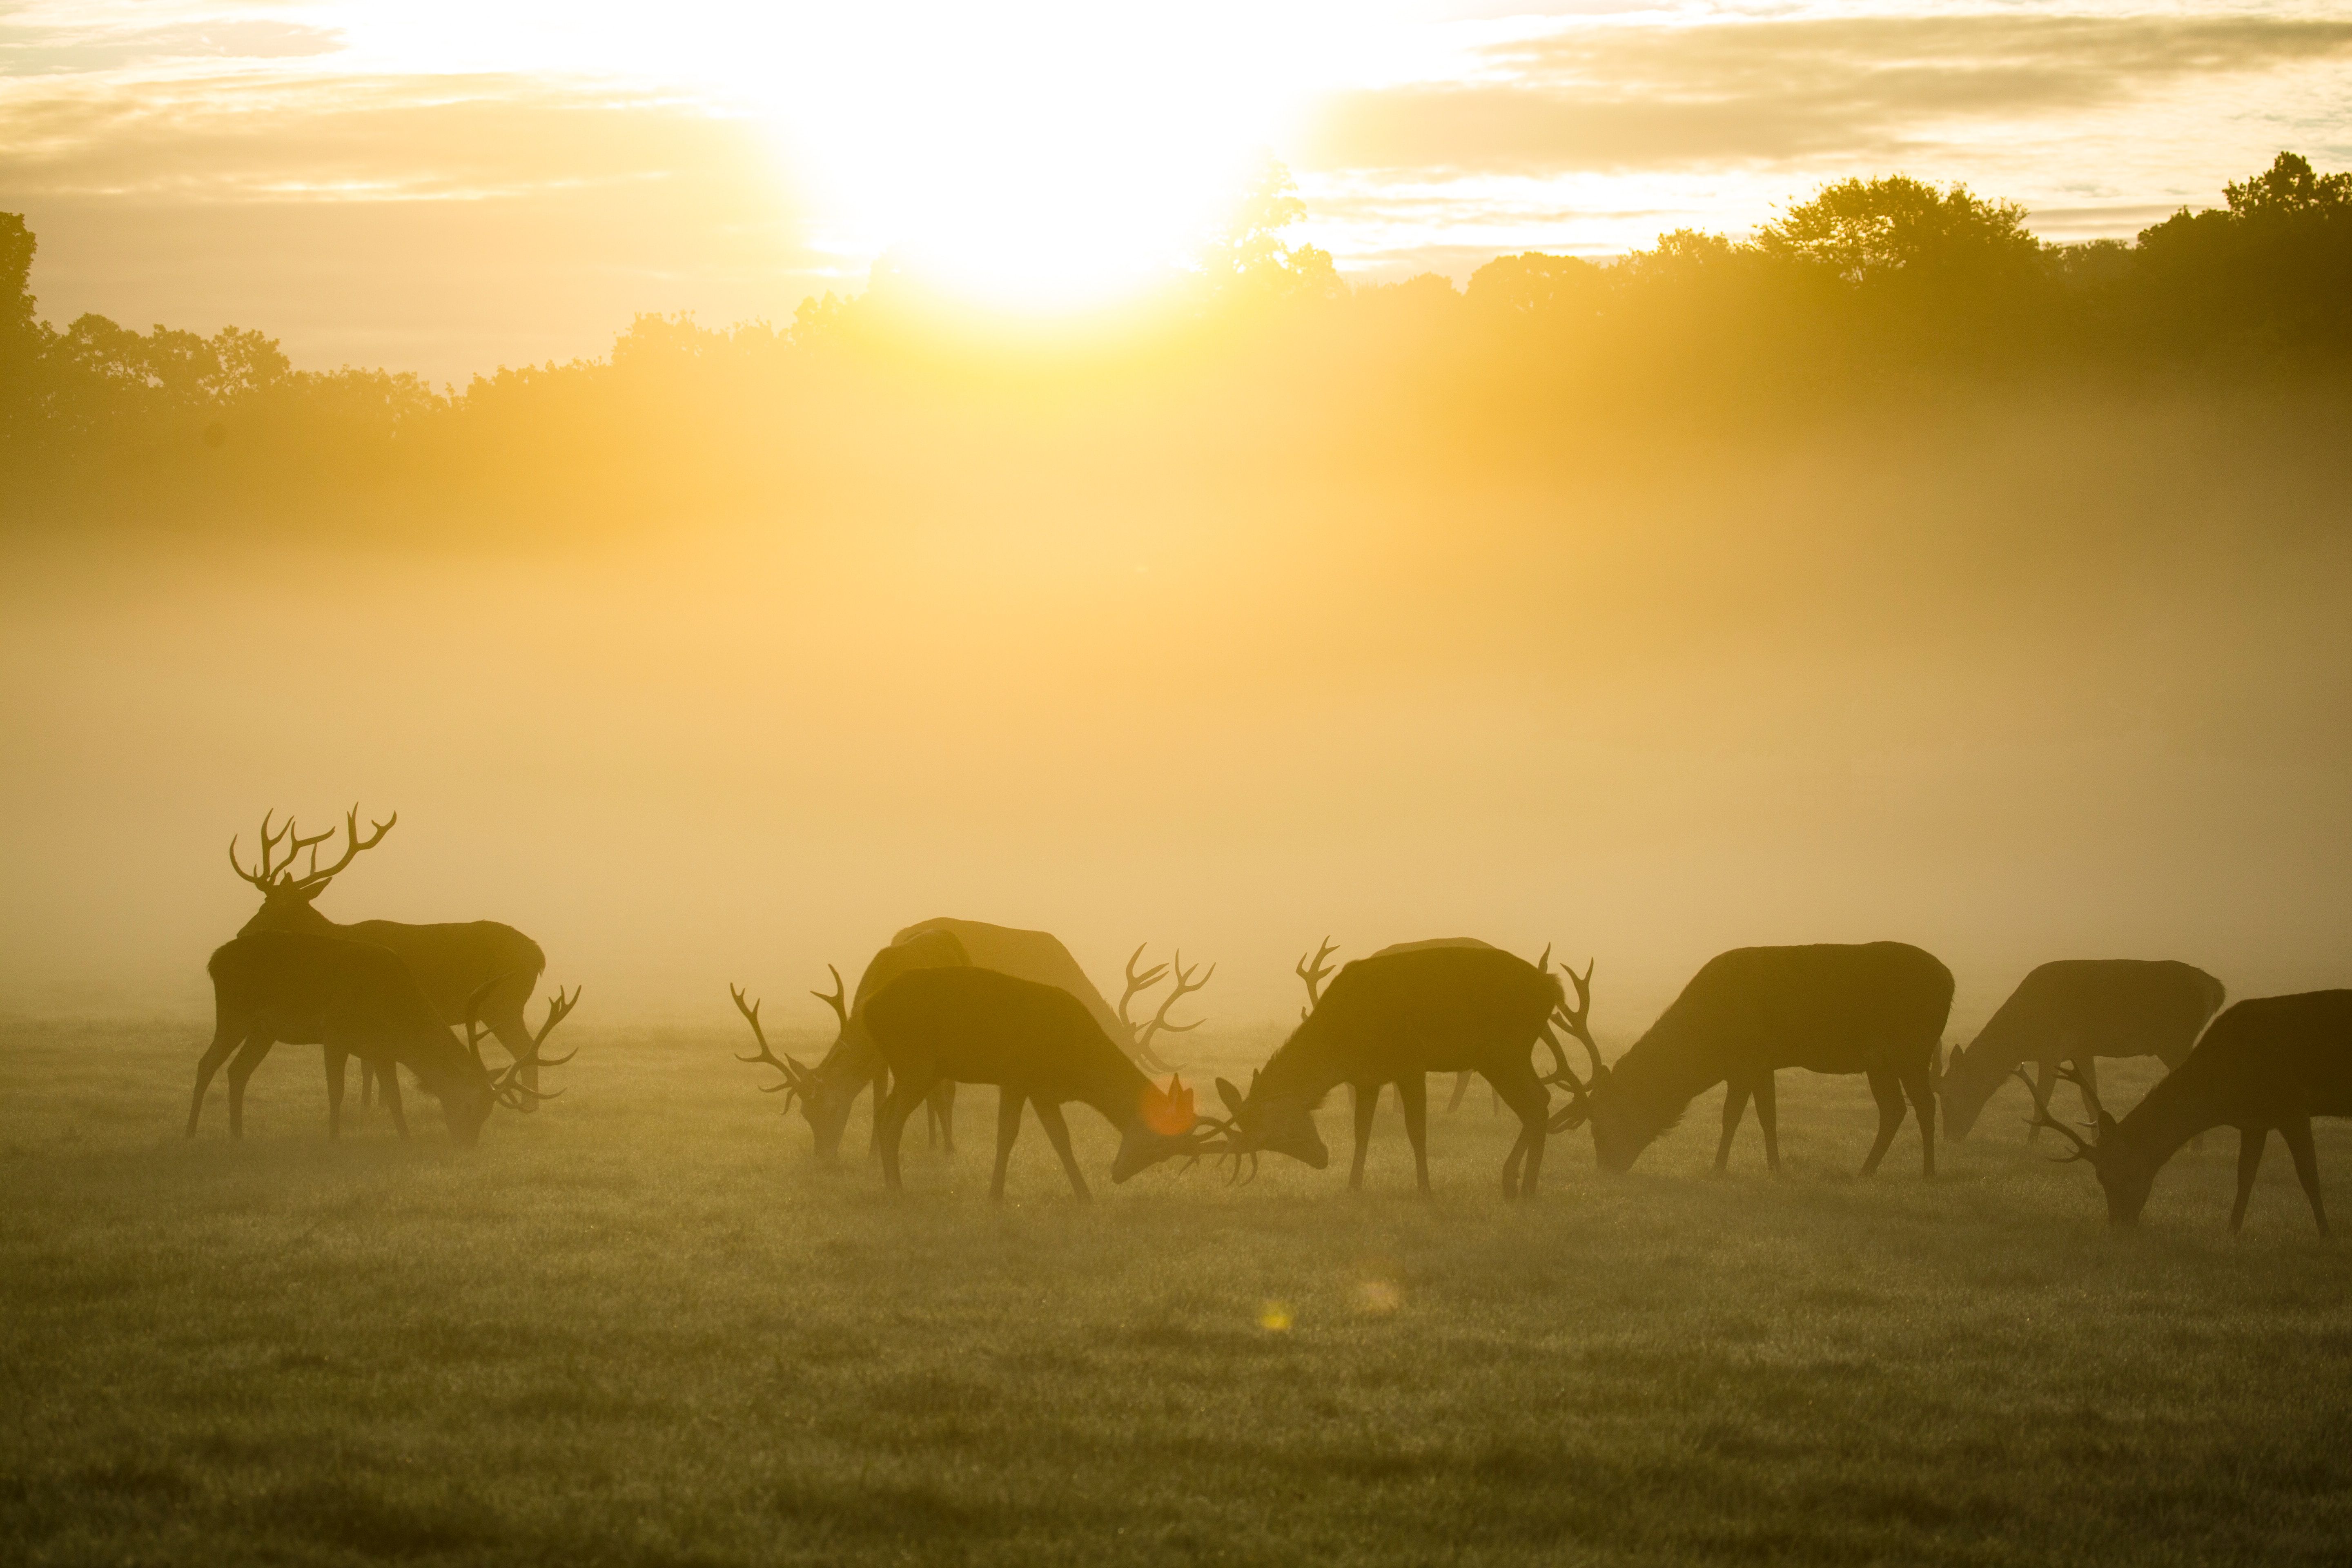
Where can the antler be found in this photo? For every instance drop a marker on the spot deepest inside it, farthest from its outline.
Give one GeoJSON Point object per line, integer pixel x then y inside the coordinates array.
{"type": "Point", "coordinates": [275, 872]}
{"type": "Point", "coordinates": [508, 1086]}
{"type": "Point", "coordinates": [1314, 971]}
{"type": "Point", "coordinates": [796, 1077]}
{"type": "Point", "coordinates": [2070, 1071]}
{"type": "Point", "coordinates": [2084, 1149]}
{"type": "Point", "coordinates": [263, 875]}
{"type": "Point", "coordinates": [1185, 986]}
{"type": "Point", "coordinates": [1135, 983]}
{"type": "Point", "coordinates": [1572, 1019]}
{"type": "Point", "coordinates": [838, 1001]}
{"type": "Point", "coordinates": [352, 845]}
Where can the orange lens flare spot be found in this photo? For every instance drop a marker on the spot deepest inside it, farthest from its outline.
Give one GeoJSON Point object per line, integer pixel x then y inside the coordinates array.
{"type": "Point", "coordinates": [1274, 1316]}
{"type": "Point", "coordinates": [1169, 1111]}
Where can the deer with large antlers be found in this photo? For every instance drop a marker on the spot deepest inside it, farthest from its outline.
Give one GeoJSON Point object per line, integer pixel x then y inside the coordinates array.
{"type": "Point", "coordinates": [357, 999]}
{"type": "Point", "coordinates": [2078, 1010]}
{"type": "Point", "coordinates": [451, 961]}
{"type": "Point", "coordinates": [1042, 1047]}
{"type": "Point", "coordinates": [2269, 1064]}
{"type": "Point", "coordinates": [1396, 1018]}
{"type": "Point", "coordinates": [1877, 1008]}
{"type": "Point", "coordinates": [827, 1091]}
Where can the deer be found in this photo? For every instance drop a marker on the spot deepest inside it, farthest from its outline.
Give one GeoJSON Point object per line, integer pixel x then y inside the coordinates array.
{"type": "Point", "coordinates": [1313, 972]}
{"type": "Point", "coordinates": [451, 961]}
{"type": "Point", "coordinates": [357, 999]}
{"type": "Point", "coordinates": [1875, 1008]}
{"type": "Point", "coordinates": [827, 1091]}
{"type": "Point", "coordinates": [2077, 1009]}
{"type": "Point", "coordinates": [1395, 1018]}
{"type": "Point", "coordinates": [2269, 1064]}
{"type": "Point", "coordinates": [1042, 1047]}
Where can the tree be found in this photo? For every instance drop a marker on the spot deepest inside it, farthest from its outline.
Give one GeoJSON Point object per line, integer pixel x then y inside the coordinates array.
{"type": "Point", "coordinates": [1534, 284]}
{"type": "Point", "coordinates": [1867, 231]}
{"type": "Point", "coordinates": [1251, 261]}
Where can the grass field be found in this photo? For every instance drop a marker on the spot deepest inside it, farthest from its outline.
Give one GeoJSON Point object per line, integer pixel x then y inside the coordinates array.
{"type": "Point", "coordinates": [644, 1327]}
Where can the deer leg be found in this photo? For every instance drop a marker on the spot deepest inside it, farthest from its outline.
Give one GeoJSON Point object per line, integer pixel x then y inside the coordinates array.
{"type": "Point", "coordinates": [881, 1098]}
{"type": "Point", "coordinates": [2250, 1159]}
{"type": "Point", "coordinates": [890, 1123]}
{"type": "Point", "coordinates": [249, 1056]}
{"type": "Point", "coordinates": [1735, 1104]}
{"type": "Point", "coordinates": [2043, 1080]}
{"type": "Point", "coordinates": [367, 1083]}
{"type": "Point", "coordinates": [2296, 1131]}
{"type": "Point", "coordinates": [1008, 1128]}
{"type": "Point", "coordinates": [388, 1075]}
{"type": "Point", "coordinates": [1366, 1102]}
{"type": "Point", "coordinates": [1058, 1133]}
{"type": "Point", "coordinates": [1919, 1083]}
{"type": "Point", "coordinates": [1768, 1117]}
{"type": "Point", "coordinates": [1412, 1097]}
{"type": "Point", "coordinates": [1461, 1088]}
{"type": "Point", "coordinates": [1888, 1091]}
{"type": "Point", "coordinates": [336, 1061]}
{"type": "Point", "coordinates": [225, 1039]}
{"type": "Point", "coordinates": [939, 1111]}
{"type": "Point", "coordinates": [1517, 1088]}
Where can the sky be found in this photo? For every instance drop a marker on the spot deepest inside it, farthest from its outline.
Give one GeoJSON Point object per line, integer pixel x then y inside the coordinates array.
{"type": "Point", "coordinates": [445, 188]}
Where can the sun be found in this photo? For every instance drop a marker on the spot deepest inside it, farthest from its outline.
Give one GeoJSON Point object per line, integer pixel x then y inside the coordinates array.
{"type": "Point", "coordinates": [1035, 157]}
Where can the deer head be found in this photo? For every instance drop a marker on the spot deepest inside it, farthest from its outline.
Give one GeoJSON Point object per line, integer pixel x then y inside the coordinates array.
{"type": "Point", "coordinates": [1165, 1127]}
{"type": "Point", "coordinates": [1279, 1124]}
{"type": "Point", "coordinates": [2126, 1174]}
{"type": "Point", "coordinates": [466, 1109]}
{"type": "Point", "coordinates": [286, 895]}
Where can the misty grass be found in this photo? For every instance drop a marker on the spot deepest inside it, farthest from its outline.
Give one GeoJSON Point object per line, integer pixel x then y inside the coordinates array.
{"type": "Point", "coordinates": [644, 1326]}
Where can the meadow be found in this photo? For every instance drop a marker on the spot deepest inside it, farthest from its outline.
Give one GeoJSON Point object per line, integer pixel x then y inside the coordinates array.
{"type": "Point", "coordinates": [646, 1326]}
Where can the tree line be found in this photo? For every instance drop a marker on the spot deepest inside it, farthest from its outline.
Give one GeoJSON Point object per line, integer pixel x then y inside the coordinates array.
{"type": "Point", "coordinates": [1871, 288]}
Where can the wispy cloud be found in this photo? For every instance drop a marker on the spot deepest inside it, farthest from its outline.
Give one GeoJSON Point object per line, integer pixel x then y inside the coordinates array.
{"type": "Point", "coordinates": [1617, 95]}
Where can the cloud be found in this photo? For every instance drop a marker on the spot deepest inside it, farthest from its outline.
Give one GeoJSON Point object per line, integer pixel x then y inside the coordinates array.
{"type": "Point", "coordinates": [443, 224]}
{"type": "Point", "coordinates": [1622, 97]}
{"type": "Point", "coordinates": [45, 50]}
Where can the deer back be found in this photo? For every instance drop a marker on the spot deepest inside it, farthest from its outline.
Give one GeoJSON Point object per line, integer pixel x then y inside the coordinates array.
{"type": "Point", "coordinates": [1423, 1007]}
{"type": "Point", "coordinates": [978, 1025]}
{"type": "Point", "coordinates": [1025, 954]}
{"type": "Point", "coordinates": [453, 960]}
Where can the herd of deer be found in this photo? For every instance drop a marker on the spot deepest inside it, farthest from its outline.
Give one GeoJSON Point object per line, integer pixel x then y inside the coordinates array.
{"type": "Point", "coordinates": [950, 1002]}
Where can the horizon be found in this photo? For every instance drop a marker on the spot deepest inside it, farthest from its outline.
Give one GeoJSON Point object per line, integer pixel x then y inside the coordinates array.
{"type": "Point", "coordinates": [445, 193]}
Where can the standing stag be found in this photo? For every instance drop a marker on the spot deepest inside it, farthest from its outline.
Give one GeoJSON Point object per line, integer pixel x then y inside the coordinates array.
{"type": "Point", "coordinates": [1042, 1047]}
{"type": "Point", "coordinates": [2272, 1063]}
{"type": "Point", "coordinates": [1396, 1020]}
{"type": "Point", "coordinates": [2078, 1009]}
{"type": "Point", "coordinates": [357, 999]}
{"type": "Point", "coordinates": [1877, 1009]}
{"type": "Point", "coordinates": [451, 961]}
{"type": "Point", "coordinates": [1312, 972]}
{"type": "Point", "coordinates": [827, 1091]}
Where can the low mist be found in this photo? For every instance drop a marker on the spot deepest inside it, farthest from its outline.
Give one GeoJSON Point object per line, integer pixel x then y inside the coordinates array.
{"type": "Point", "coordinates": [2014, 678]}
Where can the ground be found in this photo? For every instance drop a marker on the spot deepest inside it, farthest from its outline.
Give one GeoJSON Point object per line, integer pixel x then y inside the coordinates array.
{"type": "Point", "coordinates": [646, 1326]}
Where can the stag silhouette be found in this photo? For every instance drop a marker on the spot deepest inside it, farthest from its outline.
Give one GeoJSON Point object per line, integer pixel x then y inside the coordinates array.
{"type": "Point", "coordinates": [2269, 1064]}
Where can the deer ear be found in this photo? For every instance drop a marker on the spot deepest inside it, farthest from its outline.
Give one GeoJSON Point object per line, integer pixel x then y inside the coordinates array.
{"type": "Point", "coordinates": [1230, 1094]}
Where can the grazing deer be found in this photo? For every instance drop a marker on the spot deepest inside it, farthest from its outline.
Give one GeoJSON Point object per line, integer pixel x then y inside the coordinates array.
{"type": "Point", "coordinates": [2078, 1009]}
{"type": "Point", "coordinates": [451, 961]}
{"type": "Point", "coordinates": [1042, 1047]}
{"type": "Point", "coordinates": [827, 1091]}
{"type": "Point", "coordinates": [1877, 1009]}
{"type": "Point", "coordinates": [357, 999]}
{"type": "Point", "coordinates": [2271, 1063]}
{"type": "Point", "coordinates": [1396, 1020]}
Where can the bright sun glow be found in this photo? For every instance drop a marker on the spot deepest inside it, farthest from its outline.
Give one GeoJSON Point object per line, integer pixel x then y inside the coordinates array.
{"type": "Point", "coordinates": [1029, 155]}
{"type": "Point", "coordinates": [1043, 156]}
